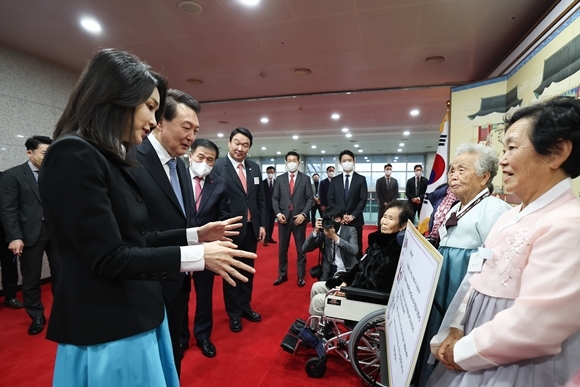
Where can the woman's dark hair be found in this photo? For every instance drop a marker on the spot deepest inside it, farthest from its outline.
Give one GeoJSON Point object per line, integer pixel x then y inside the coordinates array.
{"type": "Point", "coordinates": [102, 105]}
{"type": "Point", "coordinates": [407, 212]}
{"type": "Point", "coordinates": [552, 121]}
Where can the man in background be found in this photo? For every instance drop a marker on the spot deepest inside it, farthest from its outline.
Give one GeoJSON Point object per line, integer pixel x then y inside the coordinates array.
{"type": "Point", "coordinates": [247, 199]}
{"type": "Point", "coordinates": [387, 188]}
{"type": "Point", "coordinates": [268, 184]}
{"type": "Point", "coordinates": [316, 203]}
{"type": "Point", "coordinates": [415, 189]}
{"type": "Point", "coordinates": [25, 229]}
{"type": "Point", "coordinates": [323, 188]}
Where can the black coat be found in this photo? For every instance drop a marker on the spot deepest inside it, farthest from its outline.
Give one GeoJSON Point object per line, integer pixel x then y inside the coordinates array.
{"type": "Point", "coordinates": [108, 287]}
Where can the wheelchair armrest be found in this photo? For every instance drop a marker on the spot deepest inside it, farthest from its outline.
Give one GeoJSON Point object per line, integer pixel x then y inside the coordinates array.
{"type": "Point", "coordinates": [366, 295]}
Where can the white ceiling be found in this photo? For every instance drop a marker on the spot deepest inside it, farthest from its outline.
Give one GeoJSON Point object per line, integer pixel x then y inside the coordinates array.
{"type": "Point", "coordinates": [245, 57]}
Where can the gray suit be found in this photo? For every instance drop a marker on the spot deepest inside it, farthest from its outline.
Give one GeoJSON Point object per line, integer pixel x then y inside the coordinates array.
{"type": "Point", "coordinates": [347, 245]}
{"type": "Point", "coordinates": [300, 200]}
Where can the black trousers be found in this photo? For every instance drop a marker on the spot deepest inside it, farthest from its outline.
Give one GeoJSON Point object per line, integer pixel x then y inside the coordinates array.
{"type": "Point", "coordinates": [299, 233]}
{"type": "Point", "coordinates": [9, 272]}
{"type": "Point", "coordinates": [271, 217]}
{"type": "Point", "coordinates": [203, 320]}
{"type": "Point", "coordinates": [176, 311]}
{"type": "Point", "coordinates": [31, 270]}
{"type": "Point", "coordinates": [237, 299]}
{"type": "Point", "coordinates": [359, 240]}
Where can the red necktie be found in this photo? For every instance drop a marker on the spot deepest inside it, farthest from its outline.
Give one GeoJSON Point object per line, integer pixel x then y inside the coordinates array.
{"type": "Point", "coordinates": [198, 191]}
{"type": "Point", "coordinates": [291, 190]}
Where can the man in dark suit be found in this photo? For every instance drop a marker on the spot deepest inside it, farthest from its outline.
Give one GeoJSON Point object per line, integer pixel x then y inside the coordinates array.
{"type": "Point", "coordinates": [161, 173]}
{"type": "Point", "coordinates": [387, 188]}
{"type": "Point", "coordinates": [349, 191]}
{"type": "Point", "coordinates": [415, 189]}
{"type": "Point", "coordinates": [292, 200]}
{"type": "Point", "coordinates": [9, 267]}
{"type": "Point", "coordinates": [247, 199]}
{"type": "Point", "coordinates": [268, 184]}
{"type": "Point", "coordinates": [211, 203]}
{"type": "Point", "coordinates": [316, 203]}
{"type": "Point", "coordinates": [25, 229]}
{"type": "Point", "coordinates": [323, 189]}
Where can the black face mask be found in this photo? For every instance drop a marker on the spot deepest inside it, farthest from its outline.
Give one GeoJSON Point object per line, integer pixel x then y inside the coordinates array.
{"type": "Point", "coordinates": [336, 226]}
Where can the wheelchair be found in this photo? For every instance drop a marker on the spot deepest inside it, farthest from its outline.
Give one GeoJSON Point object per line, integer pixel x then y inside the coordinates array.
{"type": "Point", "coordinates": [353, 327]}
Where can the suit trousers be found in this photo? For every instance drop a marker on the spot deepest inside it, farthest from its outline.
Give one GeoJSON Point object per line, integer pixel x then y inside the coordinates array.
{"type": "Point", "coordinates": [9, 272]}
{"type": "Point", "coordinates": [176, 312]}
{"type": "Point", "coordinates": [359, 240]}
{"type": "Point", "coordinates": [31, 270]}
{"type": "Point", "coordinates": [203, 320]}
{"type": "Point", "coordinates": [299, 233]}
{"type": "Point", "coordinates": [271, 217]}
{"type": "Point", "coordinates": [237, 299]}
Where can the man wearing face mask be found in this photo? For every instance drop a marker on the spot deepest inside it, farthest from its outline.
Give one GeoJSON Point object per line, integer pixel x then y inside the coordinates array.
{"type": "Point", "coordinates": [415, 189]}
{"type": "Point", "coordinates": [211, 203]}
{"type": "Point", "coordinates": [292, 200]}
{"type": "Point", "coordinates": [349, 191]}
{"type": "Point", "coordinates": [387, 188]}
{"type": "Point", "coordinates": [268, 184]}
{"type": "Point", "coordinates": [25, 229]}
{"type": "Point", "coordinates": [323, 189]}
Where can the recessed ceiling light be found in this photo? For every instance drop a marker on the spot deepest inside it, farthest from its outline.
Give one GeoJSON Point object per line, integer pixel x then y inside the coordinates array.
{"type": "Point", "coordinates": [345, 130]}
{"type": "Point", "coordinates": [220, 134]}
{"type": "Point", "coordinates": [356, 145]}
{"type": "Point", "coordinates": [368, 161]}
{"type": "Point", "coordinates": [263, 148]}
{"type": "Point", "coordinates": [19, 135]}
{"type": "Point", "coordinates": [250, 2]}
{"type": "Point", "coordinates": [435, 59]}
{"type": "Point", "coordinates": [91, 25]}
{"type": "Point", "coordinates": [415, 112]}
{"type": "Point", "coordinates": [335, 116]}
{"type": "Point", "coordinates": [360, 151]}
{"type": "Point", "coordinates": [406, 133]}
{"type": "Point", "coordinates": [349, 135]}
{"type": "Point", "coordinates": [399, 150]}
{"type": "Point", "coordinates": [190, 7]}
{"type": "Point", "coordinates": [302, 71]}
{"type": "Point", "coordinates": [295, 137]}
{"type": "Point", "coordinates": [264, 119]}
{"type": "Point", "coordinates": [271, 159]}
{"type": "Point", "coordinates": [3, 149]}
{"type": "Point", "coordinates": [402, 144]}
{"type": "Point", "coordinates": [348, 93]}
{"type": "Point", "coordinates": [313, 146]}
{"type": "Point", "coordinates": [322, 151]}
{"type": "Point", "coordinates": [366, 157]}
{"type": "Point", "coordinates": [195, 81]}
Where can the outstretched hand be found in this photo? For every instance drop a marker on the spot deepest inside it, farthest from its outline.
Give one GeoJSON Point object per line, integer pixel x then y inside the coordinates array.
{"type": "Point", "coordinates": [219, 258]}
{"type": "Point", "coordinates": [221, 230]}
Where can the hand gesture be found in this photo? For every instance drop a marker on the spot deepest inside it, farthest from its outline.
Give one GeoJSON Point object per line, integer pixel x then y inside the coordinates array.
{"type": "Point", "coordinates": [219, 258]}
{"type": "Point", "coordinates": [221, 230]}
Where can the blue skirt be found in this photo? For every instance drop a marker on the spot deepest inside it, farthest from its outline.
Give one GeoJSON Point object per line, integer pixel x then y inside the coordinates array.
{"type": "Point", "coordinates": [144, 360]}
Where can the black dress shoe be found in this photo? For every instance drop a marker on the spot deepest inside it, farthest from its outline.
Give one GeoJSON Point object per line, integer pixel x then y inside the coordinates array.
{"type": "Point", "coordinates": [280, 280]}
{"type": "Point", "coordinates": [13, 303]}
{"type": "Point", "coordinates": [236, 324]}
{"type": "Point", "coordinates": [182, 348]}
{"type": "Point", "coordinates": [301, 282]}
{"type": "Point", "coordinates": [252, 316]}
{"type": "Point", "coordinates": [266, 243]}
{"type": "Point", "coordinates": [37, 325]}
{"type": "Point", "coordinates": [272, 241]}
{"type": "Point", "coordinates": [207, 347]}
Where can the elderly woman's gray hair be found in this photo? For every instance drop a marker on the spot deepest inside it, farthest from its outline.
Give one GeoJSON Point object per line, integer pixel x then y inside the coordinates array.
{"type": "Point", "coordinates": [487, 160]}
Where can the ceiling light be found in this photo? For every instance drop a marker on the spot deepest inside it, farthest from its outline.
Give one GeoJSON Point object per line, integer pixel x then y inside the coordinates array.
{"type": "Point", "coordinates": [402, 144]}
{"type": "Point", "coordinates": [435, 59]}
{"type": "Point", "coordinates": [249, 2]}
{"type": "Point", "coordinates": [356, 145]}
{"type": "Point", "coordinates": [399, 150]}
{"type": "Point", "coordinates": [271, 159]}
{"type": "Point", "coordinates": [264, 120]}
{"type": "Point", "coordinates": [295, 137]}
{"type": "Point", "coordinates": [415, 112]}
{"type": "Point", "coordinates": [348, 93]}
{"type": "Point", "coordinates": [349, 135]}
{"type": "Point", "coordinates": [220, 134]}
{"type": "Point", "coordinates": [335, 116]}
{"type": "Point", "coordinates": [3, 149]}
{"type": "Point", "coordinates": [190, 7]}
{"type": "Point", "coordinates": [263, 148]}
{"type": "Point", "coordinates": [195, 81]}
{"type": "Point", "coordinates": [366, 157]}
{"type": "Point", "coordinates": [368, 161]}
{"type": "Point", "coordinates": [345, 130]}
{"type": "Point", "coordinates": [91, 25]}
{"type": "Point", "coordinates": [313, 146]}
{"type": "Point", "coordinates": [278, 153]}
{"type": "Point", "coordinates": [302, 71]}
{"type": "Point", "coordinates": [360, 151]}
{"type": "Point", "coordinates": [406, 133]}
{"type": "Point", "coordinates": [322, 151]}
{"type": "Point", "coordinates": [20, 136]}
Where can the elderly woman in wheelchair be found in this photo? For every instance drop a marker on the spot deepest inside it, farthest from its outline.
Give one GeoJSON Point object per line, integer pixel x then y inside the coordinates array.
{"type": "Point", "coordinates": [358, 295]}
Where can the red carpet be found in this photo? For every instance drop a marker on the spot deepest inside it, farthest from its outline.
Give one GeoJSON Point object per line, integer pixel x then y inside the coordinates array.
{"type": "Point", "coordinates": [250, 358]}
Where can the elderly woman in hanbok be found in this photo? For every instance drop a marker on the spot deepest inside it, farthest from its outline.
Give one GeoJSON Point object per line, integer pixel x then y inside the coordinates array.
{"type": "Point", "coordinates": [519, 322]}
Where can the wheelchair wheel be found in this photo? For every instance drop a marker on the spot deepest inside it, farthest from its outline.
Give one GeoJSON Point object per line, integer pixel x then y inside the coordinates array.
{"type": "Point", "coordinates": [364, 348]}
{"type": "Point", "coordinates": [315, 367]}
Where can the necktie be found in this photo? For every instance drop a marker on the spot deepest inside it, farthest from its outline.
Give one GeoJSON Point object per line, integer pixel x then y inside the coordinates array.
{"type": "Point", "coordinates": [346, 186]}
{"type": "Point", "coordinates": [271, 186]}
{"type": "Point", "coordinates": [244, 183]}
{"type": "Point", "coordinates": [417, 187]}
{"type": "Point", "coordinates": [175, 183]}
{"type": "Point", "coordinates": [198, 191]}
{"type": "Point", "coordinates": [291, 189]}
{"type": "Point", "coordinates": [388, 183]}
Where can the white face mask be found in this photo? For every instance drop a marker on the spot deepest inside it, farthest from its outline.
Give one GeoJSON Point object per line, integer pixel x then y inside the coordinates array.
{"type": "Point", "coordinates": [418, 173]}
{"type": "Point", "coordinates": [388, 173]}
{"type": "Point", "coordinates": [270, 176]}
{"type": "Point", "coordinates": [331, 174]}
{"type": "Point", "coordinates": [200, 169]}
{"type": "Point", "coordinates": [292, 167]}
{"type": "Point", "coordinates": [347, 166]}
